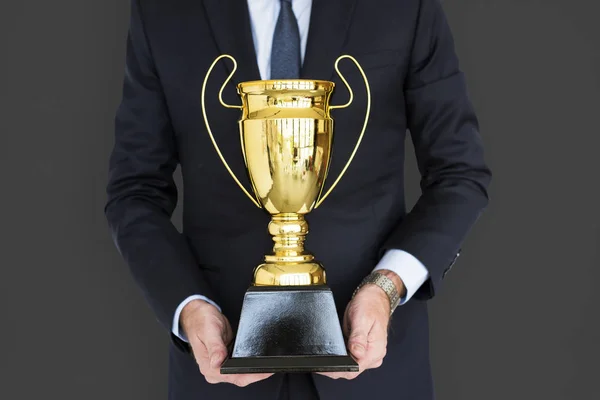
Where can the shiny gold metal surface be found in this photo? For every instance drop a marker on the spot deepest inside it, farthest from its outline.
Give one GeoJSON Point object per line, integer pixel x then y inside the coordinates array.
{"type": "Point", "coordinates": [289, 264]}
{"type": "Point", "coordinates": [286, 133]}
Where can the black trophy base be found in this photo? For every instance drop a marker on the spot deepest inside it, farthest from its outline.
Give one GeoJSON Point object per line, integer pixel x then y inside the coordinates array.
{"type": "Point", "coordinates": [251, 365]}
{"type": "Point", "coordinates": [289, 329]}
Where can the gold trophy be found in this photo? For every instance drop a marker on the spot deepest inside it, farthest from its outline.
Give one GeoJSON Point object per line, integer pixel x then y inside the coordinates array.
{"type": "Point", "coordinates": [288, 321]}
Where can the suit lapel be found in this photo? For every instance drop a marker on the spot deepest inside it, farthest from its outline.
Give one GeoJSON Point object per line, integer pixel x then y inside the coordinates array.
{"type": "Point", "coordinates": [230, 23]}
{"type": "Point", "coordinates": [329, 22]}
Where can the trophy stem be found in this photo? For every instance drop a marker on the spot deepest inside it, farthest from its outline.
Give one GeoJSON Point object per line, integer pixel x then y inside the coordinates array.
{"type": "Point", "coordinates": [290, 264]}
{"type": "Point", "coordinates": [289, 231]}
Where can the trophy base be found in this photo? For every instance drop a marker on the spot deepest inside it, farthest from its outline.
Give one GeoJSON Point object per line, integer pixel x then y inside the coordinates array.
{"type": "Point", "coordinates": [289, 329]}
{"type": "Point", "coordinates": [291, 364]}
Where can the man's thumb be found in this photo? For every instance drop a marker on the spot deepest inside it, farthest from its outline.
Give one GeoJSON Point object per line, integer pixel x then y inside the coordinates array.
{"type": "Point", "coordinates": [216, 353]}
{"type": "Point", "coordinates": [357, 341]}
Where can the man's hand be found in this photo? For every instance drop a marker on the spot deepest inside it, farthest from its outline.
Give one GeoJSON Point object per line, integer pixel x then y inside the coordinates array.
{"type": "Point", "coordinates": [209, 334]}
{"type": "Point", "coordinates": [365, 325]}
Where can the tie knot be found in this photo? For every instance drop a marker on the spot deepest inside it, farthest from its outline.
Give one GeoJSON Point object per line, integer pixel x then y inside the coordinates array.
{"type": "Point", "coordinates": [287, 1]}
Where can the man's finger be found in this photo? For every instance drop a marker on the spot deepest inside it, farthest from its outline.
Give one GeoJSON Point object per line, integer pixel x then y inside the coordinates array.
{"type": "Point", "coordinates": [227, 333]}
{"type": "Point", "coordinates": [217, 357]}
{"type": "Point", "coordinates": [376, 355]}
{"type": "Point", "coordinates": [217, 352]}
{"type": "Point", "coordinates": [247, 379]}
{"type": "Point", "coordinates": [357, 341]}
{"type": "Point", "coordinates": [340, 375]}
{"type": "Point", "coordinates": [376, 346]}
{"type": "Point", "coordinates": [240, 380]}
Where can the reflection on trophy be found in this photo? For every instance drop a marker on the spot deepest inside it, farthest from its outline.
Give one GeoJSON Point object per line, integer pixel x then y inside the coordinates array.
{"type": "Point", "coordinates": [288, 321]}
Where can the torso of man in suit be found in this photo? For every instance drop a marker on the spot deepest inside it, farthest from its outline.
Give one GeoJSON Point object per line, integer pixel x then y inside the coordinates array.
{"type": "Point", "coordinates": [407, 52]}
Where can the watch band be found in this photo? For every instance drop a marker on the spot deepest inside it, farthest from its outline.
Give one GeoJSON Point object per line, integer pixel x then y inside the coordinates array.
{"type": "Point", "coordinates": [386, 284]}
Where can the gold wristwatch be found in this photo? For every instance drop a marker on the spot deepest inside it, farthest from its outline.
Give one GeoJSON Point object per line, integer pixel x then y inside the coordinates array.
{"type": "Point", "coordinates": [386, 284]}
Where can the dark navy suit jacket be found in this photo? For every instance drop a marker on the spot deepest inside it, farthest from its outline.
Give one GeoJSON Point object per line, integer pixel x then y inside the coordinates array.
{"type": "Point", "coordinates": [407, 51]}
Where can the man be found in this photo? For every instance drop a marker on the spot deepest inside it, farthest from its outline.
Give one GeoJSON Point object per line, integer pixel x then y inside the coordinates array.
{"type": "Point", "coordinates": [195, 280]}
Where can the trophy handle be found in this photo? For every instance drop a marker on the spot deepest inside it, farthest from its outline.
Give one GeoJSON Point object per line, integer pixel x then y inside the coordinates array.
{"type": "Point", "coordinates": [212, 138]}
{"type": "Point", "coordinates": [364, 127]}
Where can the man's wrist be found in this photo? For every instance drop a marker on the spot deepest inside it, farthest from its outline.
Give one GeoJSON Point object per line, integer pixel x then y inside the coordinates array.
{"type": "Point", "coordinates": [371, 290]}
{"type": "Point", "coordinates": [192, 308]}
{"type": "Point", "coordinates": [385, 284]}
{"type": "Point", "coordinates": [411, 271]}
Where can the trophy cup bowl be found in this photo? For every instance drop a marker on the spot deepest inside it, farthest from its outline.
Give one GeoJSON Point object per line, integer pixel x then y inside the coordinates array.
{"type": "Point", "coordinates": [288, 321]}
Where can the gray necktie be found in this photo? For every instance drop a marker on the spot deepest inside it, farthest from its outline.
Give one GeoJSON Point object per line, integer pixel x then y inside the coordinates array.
{"type": "Point", "coordinates": [285, 54]}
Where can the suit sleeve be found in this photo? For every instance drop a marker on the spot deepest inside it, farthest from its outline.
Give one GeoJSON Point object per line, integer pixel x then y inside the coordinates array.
{"type": "Point", "coordinates": [141, 191]}
{"type": "Point", "coordinates": [449, 152]}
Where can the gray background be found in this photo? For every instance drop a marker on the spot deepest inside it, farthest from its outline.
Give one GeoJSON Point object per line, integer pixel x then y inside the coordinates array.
{"type": "Point", "coordinates": [518, 315]}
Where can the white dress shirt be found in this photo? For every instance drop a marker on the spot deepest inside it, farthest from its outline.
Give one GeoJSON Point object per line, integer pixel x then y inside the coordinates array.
{"type": "Point", "coordinates": [263, 18]}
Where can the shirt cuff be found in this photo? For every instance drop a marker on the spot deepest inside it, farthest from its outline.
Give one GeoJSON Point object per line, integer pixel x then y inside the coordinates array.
{"type": "Point", "coordinates": [176, 329]}
{"type": "Point", "coordinates": [412, 272]}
